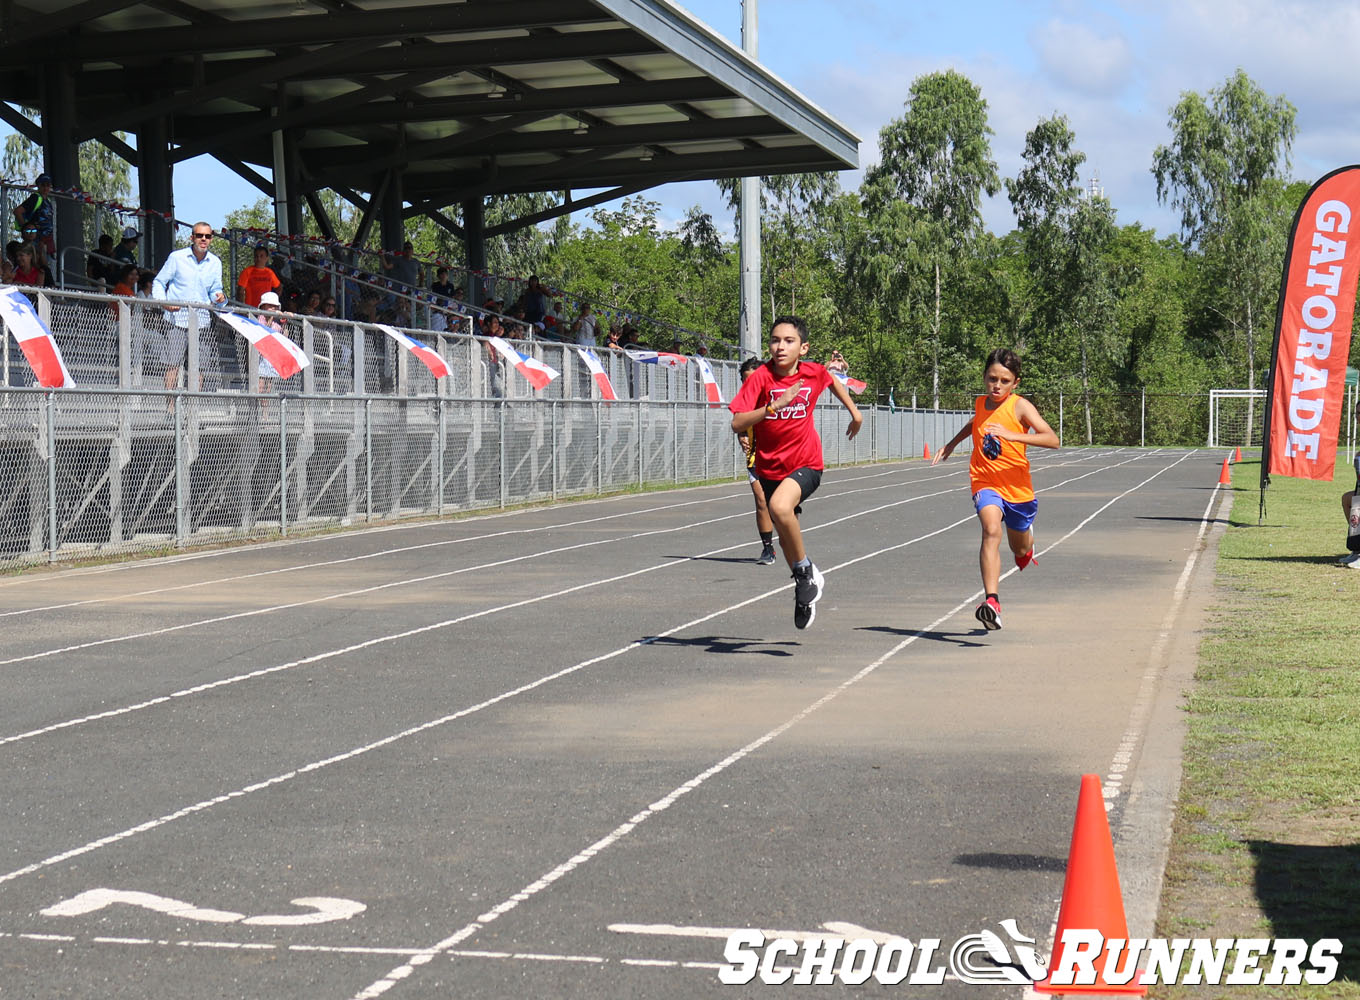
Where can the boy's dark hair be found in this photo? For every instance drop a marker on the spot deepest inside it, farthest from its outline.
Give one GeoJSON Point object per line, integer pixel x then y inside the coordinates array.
{"type": "Point", "coordinates": [794, 321]}
{"type": "Point", "coordinates": [749, 365]}
{"type": "Point", "coordinates": [1006, 358]}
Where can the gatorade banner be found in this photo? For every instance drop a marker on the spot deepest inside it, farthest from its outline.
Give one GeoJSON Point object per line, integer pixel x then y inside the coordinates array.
{"type": "Point", "coordinates": [35, 340]}
{"type": "Point", "coordinates": [1313, 331]}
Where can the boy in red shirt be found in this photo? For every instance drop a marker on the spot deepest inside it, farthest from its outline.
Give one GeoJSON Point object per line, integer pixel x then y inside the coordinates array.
{"type": "Point", "coordinates": [779, 396]}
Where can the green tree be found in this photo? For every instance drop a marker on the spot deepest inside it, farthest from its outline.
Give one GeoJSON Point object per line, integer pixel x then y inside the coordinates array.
{"type": "Point", "coordinates": [937, 158]}
{"type": "Point", "coordinates": [104, 175]}
{"type": "Point", "coordinates": [1224, 169]}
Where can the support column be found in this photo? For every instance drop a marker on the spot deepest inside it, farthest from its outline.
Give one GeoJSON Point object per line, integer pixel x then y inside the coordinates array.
{"type": "Point", "coordinates": [61, 156]}
{"type": "Point", "coordinates": [474, 234]}
{"type": "Point", "coordinates": [155, 177]}
{"type": "Point", "coordinates": [393, 225]}
{"type": "Point", "coordinates": [750, 332]}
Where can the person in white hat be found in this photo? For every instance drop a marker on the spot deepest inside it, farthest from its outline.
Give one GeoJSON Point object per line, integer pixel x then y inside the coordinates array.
{"type": "Point", "coordinates": [270, 304]}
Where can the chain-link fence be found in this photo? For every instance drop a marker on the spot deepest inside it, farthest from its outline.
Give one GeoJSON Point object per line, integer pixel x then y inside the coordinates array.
{"type": "Point", "coordinates": [85, 473]}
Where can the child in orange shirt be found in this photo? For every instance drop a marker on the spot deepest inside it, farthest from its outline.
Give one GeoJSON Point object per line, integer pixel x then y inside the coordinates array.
{"type": "Point", "coordinates": [1003, 425]}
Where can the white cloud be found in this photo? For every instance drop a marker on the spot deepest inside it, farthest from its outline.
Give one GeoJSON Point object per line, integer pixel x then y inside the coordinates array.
{"type": "Point", "coordinates": [1081, 59]}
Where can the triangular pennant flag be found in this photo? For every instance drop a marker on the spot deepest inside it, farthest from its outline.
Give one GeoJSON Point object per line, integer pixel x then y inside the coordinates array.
{"type": "Point", "coordinates": [35, 340]}
{"type": "Point", "coordinates": [658, 358]}
{"type": "Point", "coordinates": [597, 372]}
{"type": "Point", "coordinates": [283, 355]}
{"type": "Point", "coordinates": [538, 374]}
{"type": "Point", "coordinates": [711, 389]}
{"type": "Point", "coordinates": [429, 356]}
{"type": "Point", "coordinates": [853, 384]}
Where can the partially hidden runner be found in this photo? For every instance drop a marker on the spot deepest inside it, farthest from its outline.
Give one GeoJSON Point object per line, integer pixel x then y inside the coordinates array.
{"type": "Point", "coordinates": [764, 526]}
{"type": "Point", "coordinates": [779, 397]}
{"type": "Point", "coordinates": [1003, 425]}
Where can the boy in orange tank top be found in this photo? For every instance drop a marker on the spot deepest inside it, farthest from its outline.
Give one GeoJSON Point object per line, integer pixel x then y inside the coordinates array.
{"type": "Point", "coordinates": [1003, 425]}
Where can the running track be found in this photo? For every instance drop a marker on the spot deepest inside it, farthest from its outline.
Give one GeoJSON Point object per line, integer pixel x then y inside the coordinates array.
{"type": "Point", "coordinates": [553, 753]}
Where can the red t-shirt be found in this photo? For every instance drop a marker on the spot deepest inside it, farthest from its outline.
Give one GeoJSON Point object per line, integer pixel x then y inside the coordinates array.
{"type": "Point", "coordinates": [787, 441]}
{"type": "Point", "coordinates": [256, 281]}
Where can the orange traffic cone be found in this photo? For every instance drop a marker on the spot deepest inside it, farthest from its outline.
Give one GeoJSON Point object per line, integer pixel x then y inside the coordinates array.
{"type": "Point", "coordinates": [926, 453]}
{"type": "Point", "coordinates": [1224, 478]}
{"type": "Point", "coordinates": [1091, 900]}
{"type": "Point", "coordinates": [1237, 457]}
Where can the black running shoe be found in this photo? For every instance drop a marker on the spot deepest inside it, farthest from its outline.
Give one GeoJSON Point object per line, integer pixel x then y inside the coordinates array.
{"type": "Point", "coordinates": [766, 556]}
{"type": "Point", "coordinates": [807, 590]}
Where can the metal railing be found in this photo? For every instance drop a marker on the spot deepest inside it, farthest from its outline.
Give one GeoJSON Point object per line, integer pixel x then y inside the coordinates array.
{"type": "Point", "coordinates": [87, 473]}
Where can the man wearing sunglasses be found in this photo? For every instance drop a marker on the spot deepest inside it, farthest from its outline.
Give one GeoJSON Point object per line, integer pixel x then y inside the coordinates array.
{"type": "Point", "coordinates": [193, 274]}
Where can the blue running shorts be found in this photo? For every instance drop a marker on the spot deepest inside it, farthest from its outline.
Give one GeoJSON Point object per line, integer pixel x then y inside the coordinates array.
{"type": "Point", "coordinates": [1016, 516]}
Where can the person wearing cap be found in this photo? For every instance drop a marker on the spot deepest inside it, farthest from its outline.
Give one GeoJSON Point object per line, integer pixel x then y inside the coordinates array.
{"type": "Point", "coordinates": [126, 250]}
{"type": "Point", "coordinates": [269, 302]}
{"type": "Point", "coordinates": [36, 212]}
{"type": "Point", "coordinates": [257, 279]}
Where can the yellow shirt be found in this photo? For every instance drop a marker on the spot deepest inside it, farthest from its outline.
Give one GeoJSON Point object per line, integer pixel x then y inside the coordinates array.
{"type": "Point", "coordinates": [1008, 473]}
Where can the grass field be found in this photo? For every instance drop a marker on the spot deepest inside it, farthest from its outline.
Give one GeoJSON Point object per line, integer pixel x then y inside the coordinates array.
{"type": "Point", "coordinates": [1267, 836]}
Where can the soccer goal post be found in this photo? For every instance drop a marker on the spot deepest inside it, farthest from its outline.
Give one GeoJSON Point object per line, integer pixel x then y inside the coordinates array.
{"type": "Point", "coordinates": [1236, 417]}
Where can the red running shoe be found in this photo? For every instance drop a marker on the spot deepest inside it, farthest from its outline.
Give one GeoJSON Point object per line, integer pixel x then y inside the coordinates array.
{"type": "Point", "coordinates": [989, 613]}
{"type": "Point", "coordinates": [1024, 559]}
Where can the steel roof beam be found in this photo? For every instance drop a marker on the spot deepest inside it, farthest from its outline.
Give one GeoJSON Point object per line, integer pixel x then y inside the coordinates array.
{"type": "Point", "coordinates": [386, 24]}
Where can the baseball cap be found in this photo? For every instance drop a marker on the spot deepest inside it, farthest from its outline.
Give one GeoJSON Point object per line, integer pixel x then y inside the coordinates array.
{"type": "Point", "coordinates": [130, 234]}
{"type": "Point", "coordinates": [43, 179]}
{"type": "Point", "coordinates": [270, 299]}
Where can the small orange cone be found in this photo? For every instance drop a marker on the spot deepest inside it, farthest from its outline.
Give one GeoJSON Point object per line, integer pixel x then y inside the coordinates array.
{"type": "Point", "coordinates": [1237, 457]}
{"type": "Point", "coordinates": [1224, 478]}
{"type": "Point", "coordinates": [1091, 900]}
{"type": "Point", "coordinates": [926, 454]}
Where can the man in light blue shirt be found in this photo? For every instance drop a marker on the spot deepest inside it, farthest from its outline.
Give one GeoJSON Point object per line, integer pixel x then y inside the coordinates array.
{"type": "Point", "coordinates": [190, 275]}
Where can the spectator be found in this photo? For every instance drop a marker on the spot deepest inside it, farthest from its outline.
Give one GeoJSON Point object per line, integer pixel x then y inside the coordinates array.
{"type": "Point", "coordinates": [26, 269]}
{"type": "Point", "coordinates": [1352, 515]}
{"type": "Point", "coordinates": [124, 283]}
{"type": "Point", "coordinates": [403, 266]}
{"type": "Point", "coordinates": [535, 301]}
{"type": "Point", "coordinates": [629, 337]}
{"type": "Point", "coordinates": [553, 320]}
{"type": "Point", "coordinates": [837, 363]}
{"type": "Point", "coordinates": [257, 279]}
{"type": "Point", "coordinates": [491, 327]}
{"type": "Point", "coordinates": [269, 302]}
{"type": "Point", "coordinates": [615, 334]}
{"type": "Point", "coordinates": [327, 308]}
{"type": "Point", "coordinates": [145, 279]}
{"type": "Point", "coordinates": [193, 274]}
{"type": "Point", "coordinates": [101, 266]}
{"type": "Point", "coordinates": [38, 212]}
{"type": "Point", "coordinates": [126, 250]}
{"type": "Point", "coordinates": [12, 253]}
{"type": "Point", "coordinates": [6, 270]}
{"type": "Point", "coordinates": [585, 326]}
{"type": "Point", "coordinates": [441, 286]}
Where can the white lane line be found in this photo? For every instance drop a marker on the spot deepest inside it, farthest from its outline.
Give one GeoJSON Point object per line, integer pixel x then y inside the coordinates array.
{"type": "Point", "coordinates": [316, 658]}
{"type": "Point", "coordinates": [302, 567]}
{"type": "Point", "coordinates": [1112, 786]}
{"type": "Point", "coordinates": [206, 804]}
{"type": "Point", "coordinates": [486, 536]}
{"type": "Point", "coordinates": [549, 878]}
{"type": "Point", "coordinates": [344, 950]}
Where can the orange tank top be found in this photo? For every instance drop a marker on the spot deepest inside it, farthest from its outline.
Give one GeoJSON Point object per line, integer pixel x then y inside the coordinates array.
{"type": "Point", "coordinates": [1008, 473]}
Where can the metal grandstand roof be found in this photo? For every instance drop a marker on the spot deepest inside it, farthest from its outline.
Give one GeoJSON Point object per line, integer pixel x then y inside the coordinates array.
{"type": "Point", "coordinates": [464, 98]}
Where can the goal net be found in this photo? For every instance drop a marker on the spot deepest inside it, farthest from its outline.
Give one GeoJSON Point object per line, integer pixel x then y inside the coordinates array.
{"type": "Point", "coordinates": [1236, 417]}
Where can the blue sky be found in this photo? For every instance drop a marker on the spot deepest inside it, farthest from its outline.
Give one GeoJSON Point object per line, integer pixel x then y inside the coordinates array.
{"type": "Point", "coordinates": [1114, 69]}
